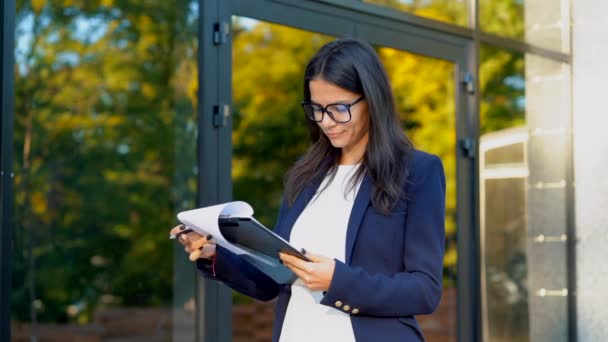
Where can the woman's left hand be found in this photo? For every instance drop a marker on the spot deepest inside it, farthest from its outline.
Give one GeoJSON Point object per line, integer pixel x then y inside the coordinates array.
{"type": "Point", "coordinates": [316, 275]}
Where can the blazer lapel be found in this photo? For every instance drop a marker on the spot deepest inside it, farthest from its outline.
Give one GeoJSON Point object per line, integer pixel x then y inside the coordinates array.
{"type": "Point", "coordinates": [356, 215]}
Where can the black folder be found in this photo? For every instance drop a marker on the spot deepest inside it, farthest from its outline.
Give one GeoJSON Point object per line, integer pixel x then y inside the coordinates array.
{"type": "Point", "coordinates": [263, 244]}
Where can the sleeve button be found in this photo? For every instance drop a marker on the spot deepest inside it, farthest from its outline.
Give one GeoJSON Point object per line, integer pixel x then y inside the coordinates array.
{"type": "Point", "coordinates": [338, 304]}
{"type": "Point", "coordinates": [346, 307]}
{"type": "Point", "coordinates": [355, 311]}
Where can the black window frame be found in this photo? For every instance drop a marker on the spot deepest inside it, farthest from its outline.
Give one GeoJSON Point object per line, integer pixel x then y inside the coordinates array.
{"type": "Point", "coordinates": [7, 31]}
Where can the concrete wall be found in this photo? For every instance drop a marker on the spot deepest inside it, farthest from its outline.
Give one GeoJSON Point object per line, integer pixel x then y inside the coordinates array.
{"type": "Point", "coordinates": [590, 124]}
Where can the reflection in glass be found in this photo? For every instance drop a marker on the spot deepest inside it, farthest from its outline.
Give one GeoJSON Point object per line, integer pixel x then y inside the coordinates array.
{"type": "Point", "coordinates": [503, 197]}
{"type": "Point", "coordinates": [424, 93]}
{"type": "Point", "coordinates": [105, 155]}
{"type": "Point", "coordinates": [269, 133]}
{"type": "Point", "coordinates": [525, 122]}
{"type": "Point", "coordinates": [545, 23]}
{"type": "Point", "coordinates": [503, 221]}
{"type": "Point", "coordinates": [548, 116]}
{"type": "Point", "coordinates": [450, 11]}
{"type": "Point", "coordinates": [503, 101]}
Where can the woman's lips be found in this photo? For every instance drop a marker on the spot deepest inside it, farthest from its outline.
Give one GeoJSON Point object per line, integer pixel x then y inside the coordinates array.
{"type": "Point", "coordinates": [332, 135]}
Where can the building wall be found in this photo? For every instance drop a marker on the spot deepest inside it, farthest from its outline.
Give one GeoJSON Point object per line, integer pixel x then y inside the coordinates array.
{"type": "Point", "coordinates": [590, 74]}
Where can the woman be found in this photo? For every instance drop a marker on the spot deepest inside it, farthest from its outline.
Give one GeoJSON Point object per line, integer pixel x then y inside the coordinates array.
{"type": "Point", "coordinates": [367, 206]}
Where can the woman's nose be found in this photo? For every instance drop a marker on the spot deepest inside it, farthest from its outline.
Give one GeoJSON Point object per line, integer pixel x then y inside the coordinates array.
{"type": "Point", "coordinates": [327, 121]}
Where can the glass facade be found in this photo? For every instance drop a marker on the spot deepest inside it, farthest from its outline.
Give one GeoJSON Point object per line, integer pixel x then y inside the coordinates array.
{"type": "Point", "coordinates": [269, 133]}
{"type": "Point", "coordinates": [543, 23]}
{"type": "Point", "coordinates": [449, 11]}
{"type": "Point", "coordinates": [503, 172]}
{"type": "Point", "coordinates": [104, 156]}
{"type": "Point", "coordinates": [106, 150]}
{"type": "Point", "coordinates": [523, 204]}
{"type": "Point", "coordinates": [548, 115]}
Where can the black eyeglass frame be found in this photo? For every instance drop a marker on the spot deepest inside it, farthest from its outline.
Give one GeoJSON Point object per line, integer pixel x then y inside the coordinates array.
{"type": "Point", "coordinates": [325, 110]}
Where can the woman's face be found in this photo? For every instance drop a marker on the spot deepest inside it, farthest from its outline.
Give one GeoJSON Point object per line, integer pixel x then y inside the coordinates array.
{"type": "Point", "coordinates": [351, 136]}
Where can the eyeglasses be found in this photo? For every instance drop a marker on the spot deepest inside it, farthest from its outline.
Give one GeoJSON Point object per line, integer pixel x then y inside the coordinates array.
{"type": "Point", "coordinates": [339, 112]}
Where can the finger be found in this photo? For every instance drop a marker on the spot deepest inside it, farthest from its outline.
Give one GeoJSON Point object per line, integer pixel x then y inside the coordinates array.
{"type": "Point", "coordinates": [286, 258]}
{"type": "Point", "coordinates": [201, 253]}
{"type": "Point", "coordinates": [185, 241]}
{"type": "Point", "coordinates": [208, 250]}
{"type": "Point", "coordinates": [300, 274]}
{"type": "Point", "coordinates": [290, 258]}
{"type": "Point", "coordinates": [316, 257]}
{"type": "Point", "coordinates": [190, 238]}
{"type": "Point", "coordinates": [200, 242]}
{"type": "Point", "coordinates": [177, 229]}
{"type": "Point", "coordinates": [307, 276]}
{"type": "Point", "coordinates": [296, 262]}
{"type": "Point", "coordinates": [195, 254]}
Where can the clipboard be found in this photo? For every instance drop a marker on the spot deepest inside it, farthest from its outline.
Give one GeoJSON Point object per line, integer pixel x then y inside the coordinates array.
{"type": "Point", "coordinates": [233, 227]}
{"type": "Point", "coordinates": [250, 234]}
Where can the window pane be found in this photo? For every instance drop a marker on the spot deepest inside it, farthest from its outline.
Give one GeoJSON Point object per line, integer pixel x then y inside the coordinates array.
{"type": "Point", "coordinates": [503, 172]}
{"type": "Point", "coordinates": [525, 122]}
{"type": "Point", "coordinates": [548, 116]}
{"type": "Point", "coordinates": [545, 23]}
{"type": "Point", "coordinates": [269, 133]}
{"type": "Point", "coordinates": [424, 94]}
{"type": "Point", "coordinates": [449, 11]}
{"type": "Point", "coordinates": [105, 155]}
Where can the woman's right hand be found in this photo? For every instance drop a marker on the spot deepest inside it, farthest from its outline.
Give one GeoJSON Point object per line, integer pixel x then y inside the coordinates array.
{"type": "Point", "coordinates": [197, 245]}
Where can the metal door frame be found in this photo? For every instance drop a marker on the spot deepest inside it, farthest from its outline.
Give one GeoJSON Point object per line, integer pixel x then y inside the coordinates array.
{"type": "Point", "coordinates": [338, 18]}
{"type": "Point", "coordinates": [7, 98]}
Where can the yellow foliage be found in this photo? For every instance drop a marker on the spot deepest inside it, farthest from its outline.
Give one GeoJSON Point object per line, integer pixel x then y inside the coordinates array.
{"type": "Point", "coordinates": [113, 120]}
{"type": "Point", "coordinates": [145, 22]}
{"type": "Point", "coordinates": [450, 259]}
{"type": "Point", "coordinates": [68, 122]}
{"type": "Point", "coordinates": [123, 230]}
{"type": "Point", "coordinates": [38, 5]}
{"type": "Point", "coordinates": [148, 90]}
{"type": "Point", "coordinates": [39, 203]}
{"type": "Point", "coordinates": [424, 94]}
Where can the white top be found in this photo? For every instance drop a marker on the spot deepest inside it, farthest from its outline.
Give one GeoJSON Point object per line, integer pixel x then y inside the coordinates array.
{"type": "Point", "coordinates": [321, 229]}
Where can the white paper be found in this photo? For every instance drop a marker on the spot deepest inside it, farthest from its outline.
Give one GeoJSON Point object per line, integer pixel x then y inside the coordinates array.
{"type": "Point", "coordinates": [205, 221]}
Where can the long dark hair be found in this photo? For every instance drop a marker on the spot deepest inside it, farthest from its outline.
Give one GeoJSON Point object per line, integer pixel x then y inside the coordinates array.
{"type": "Point", "coordinates": [354, 65]}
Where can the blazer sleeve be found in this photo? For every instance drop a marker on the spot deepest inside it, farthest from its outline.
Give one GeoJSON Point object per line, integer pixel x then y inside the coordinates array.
{"type": "Point", "coordinates": [416, 290]}
{"type": "Point", "coordinates": [237, 273]}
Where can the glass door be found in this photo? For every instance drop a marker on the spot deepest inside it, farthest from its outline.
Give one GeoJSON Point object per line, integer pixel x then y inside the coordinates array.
{"type": "Point", "coordinates": [268, 133]}
{"type": "Point", "coordinates": [269, 54]}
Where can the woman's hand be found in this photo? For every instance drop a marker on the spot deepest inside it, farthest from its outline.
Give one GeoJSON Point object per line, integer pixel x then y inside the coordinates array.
{"type": "Point", "coordinates": [195, 244]}
{"type": "Point", "coordinates": [317, 275]}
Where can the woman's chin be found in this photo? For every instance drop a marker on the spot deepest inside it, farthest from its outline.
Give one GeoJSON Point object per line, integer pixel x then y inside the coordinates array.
{"type": "Point", "coordinates": [336, 143]}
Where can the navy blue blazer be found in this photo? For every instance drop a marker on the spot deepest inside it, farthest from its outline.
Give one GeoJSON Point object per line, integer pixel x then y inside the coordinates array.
{"type": "Point", "coordinates": [393, 265]}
